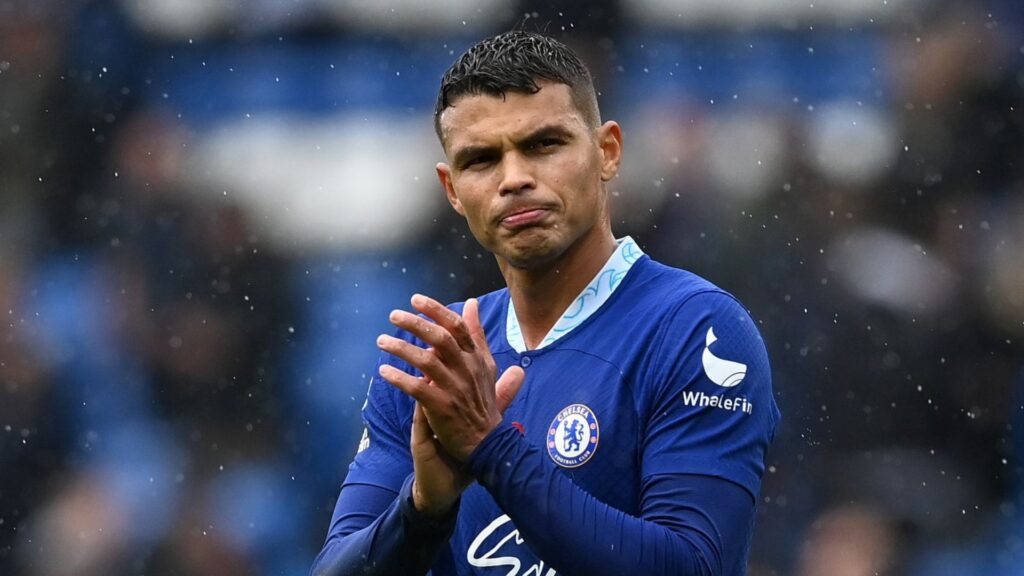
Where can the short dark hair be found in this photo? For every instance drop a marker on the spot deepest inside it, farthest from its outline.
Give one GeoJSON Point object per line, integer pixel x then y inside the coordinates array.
{"type": "Point", "coordinates": [513, 62]}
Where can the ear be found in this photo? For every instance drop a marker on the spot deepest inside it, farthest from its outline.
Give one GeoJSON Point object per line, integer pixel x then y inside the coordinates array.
{"type": "Point", "coordinates": [444, 174]}
{"type": "Point", "coordinates": [609, 139]}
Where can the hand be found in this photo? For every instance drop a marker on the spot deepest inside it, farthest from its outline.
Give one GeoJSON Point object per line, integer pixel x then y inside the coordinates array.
{"type": "Point", "coordinates": [461, 401]}
{"type": "Point", "coordinates": [437, 479]}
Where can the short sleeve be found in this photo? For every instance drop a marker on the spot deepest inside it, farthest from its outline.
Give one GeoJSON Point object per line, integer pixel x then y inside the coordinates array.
{"type": "Point", "coordinates": [383, 458]}
{"type": "Point", "coordinates": [709, 407]}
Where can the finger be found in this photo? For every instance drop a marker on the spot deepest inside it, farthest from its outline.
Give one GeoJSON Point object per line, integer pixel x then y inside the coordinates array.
{"type": "Point", "coordinates": [445, 317]}
{"type": "Point", "coordinates": [438, 337]}
{"type": "Point", "coordinates": [506, 388]}
{"type": "Point", "coordinates": [418, 388]}
{"type": "Point", "coordinates": [420, 429]}
{"type": "Point", "coordinates": [425, 360]}
{"type": "Point", "coordinates": [471, 317]}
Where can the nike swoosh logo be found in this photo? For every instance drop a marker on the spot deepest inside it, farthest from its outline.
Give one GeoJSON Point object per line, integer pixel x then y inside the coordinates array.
{"type": "Point", "coordinates": [725, 373]}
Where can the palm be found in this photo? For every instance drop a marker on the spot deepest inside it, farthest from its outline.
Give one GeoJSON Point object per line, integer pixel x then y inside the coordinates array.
{"type": "Point", "coordinates": [458, 400]}
{"type": "Point", "coordinates": [439, 481]}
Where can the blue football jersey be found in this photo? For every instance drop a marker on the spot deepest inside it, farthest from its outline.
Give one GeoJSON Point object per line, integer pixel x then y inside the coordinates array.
{"type": "Point", "coordinates": [669, 375]}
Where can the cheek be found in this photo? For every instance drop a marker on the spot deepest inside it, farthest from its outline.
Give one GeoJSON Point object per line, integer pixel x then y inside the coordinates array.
{"type": "Point", "coordinates": [467, 192]}
{"type": "Point", "coordinates": [474, 210]}
{"type": "Point", "coordinates": [581, 181]}
{"type": "Point", "coordinates": [585, 168]}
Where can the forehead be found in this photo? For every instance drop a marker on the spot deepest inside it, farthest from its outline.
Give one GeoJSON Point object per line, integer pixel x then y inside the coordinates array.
{"type": "Point", "coordinates": [483, 117]}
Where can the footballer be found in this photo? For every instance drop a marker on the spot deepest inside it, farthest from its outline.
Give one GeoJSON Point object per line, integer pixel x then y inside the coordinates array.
{"type": "Point", "coordinates": [603, 414]}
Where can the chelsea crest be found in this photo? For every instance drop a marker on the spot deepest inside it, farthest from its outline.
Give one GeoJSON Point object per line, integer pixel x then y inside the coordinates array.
{"type": "Point", "coordinates": [573, 436]}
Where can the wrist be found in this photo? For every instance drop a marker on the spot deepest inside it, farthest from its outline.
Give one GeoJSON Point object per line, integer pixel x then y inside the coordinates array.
{"type": "Point", "coordinates": [465, 455]}
{"type": "Point", "coordinates": [493, 446]}
{"type": "Point", "coordinates": [430, 508]}
{"type": "Point", "coordinates": [421, 522]}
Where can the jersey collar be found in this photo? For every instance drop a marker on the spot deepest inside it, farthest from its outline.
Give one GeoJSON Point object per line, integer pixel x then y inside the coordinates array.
{"type": "Point", "coordinates": [589, 301]}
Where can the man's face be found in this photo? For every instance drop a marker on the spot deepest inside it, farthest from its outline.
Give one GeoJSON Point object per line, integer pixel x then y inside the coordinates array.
{"type": "Point", "coordinates": [526, 171]}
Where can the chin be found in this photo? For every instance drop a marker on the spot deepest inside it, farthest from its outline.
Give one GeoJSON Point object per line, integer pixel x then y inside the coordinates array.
{"type": "Point", "coordinates": [531, 251]}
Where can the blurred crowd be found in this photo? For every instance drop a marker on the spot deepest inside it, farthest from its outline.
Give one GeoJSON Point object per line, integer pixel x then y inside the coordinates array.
{"type": "Point", "coordinates": [207, 210]}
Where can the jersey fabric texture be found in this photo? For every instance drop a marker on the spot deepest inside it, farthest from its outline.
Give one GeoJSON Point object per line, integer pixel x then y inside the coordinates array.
{"type": "Point", "coordinates": [646, 420]}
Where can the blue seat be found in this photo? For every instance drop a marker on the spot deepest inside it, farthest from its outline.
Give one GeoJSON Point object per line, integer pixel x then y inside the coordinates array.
{"type": "Point", "coordinates": [755, 68]}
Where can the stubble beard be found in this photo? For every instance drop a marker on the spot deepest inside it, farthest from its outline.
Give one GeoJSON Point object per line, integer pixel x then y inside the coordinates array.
{"type": "Point", "coordinates": [527, 249]}
{"type": "Point", "coordinates": [538, 249]}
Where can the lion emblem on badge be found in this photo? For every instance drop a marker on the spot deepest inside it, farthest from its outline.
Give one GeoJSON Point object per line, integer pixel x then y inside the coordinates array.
{"type": "Point", "coordinates": [573, 436]}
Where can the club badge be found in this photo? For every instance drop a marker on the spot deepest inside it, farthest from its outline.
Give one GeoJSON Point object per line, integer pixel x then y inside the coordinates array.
{"type": "Point", "coordinates": [572, 436]}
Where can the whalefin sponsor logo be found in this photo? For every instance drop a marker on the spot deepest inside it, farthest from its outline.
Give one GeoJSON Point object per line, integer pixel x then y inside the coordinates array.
{"type": "Point", "coordinates": [491, 559]}
{"type": "Point", "coordinates": [702, 400]}
{"type": "Point", "coordinates": [725, 373]}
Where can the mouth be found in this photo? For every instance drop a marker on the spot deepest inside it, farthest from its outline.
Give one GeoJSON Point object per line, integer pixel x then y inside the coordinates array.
{"type": "Point", "coordinates": [524, 217]}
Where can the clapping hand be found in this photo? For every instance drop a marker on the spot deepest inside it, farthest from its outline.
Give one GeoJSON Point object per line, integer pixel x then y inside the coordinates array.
{"type": "Point", "coordinates": [459, 399]}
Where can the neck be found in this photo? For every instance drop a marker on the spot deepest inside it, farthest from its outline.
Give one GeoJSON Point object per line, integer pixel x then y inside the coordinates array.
{"type": "Point", "coordinates": [541, 294]}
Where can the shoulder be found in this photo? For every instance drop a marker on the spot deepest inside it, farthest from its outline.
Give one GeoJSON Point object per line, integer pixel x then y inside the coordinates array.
{"type": "Point", "coordinates": [707, 397]}
{"type": "Point", "coordinates": [699, 325]}
{"type": "Point", "coordinates": [675, 284]}
{"type": "Point", "coordinates": [658, 315]}
{"type": "Point", "coordinates": [676, 295]}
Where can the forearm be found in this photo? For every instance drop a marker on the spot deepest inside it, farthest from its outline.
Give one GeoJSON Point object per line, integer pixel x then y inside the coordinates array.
{"type": "Point", "coordinates": [398, 542]}
{"type": "Point", "coordinates": [574, 532]}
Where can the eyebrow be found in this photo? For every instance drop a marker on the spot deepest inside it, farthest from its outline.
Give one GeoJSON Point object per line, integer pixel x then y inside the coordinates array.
{"type": "Point", "coordinates": [463, 155]}
{"type": "Point", "coordinates": [545, 132]}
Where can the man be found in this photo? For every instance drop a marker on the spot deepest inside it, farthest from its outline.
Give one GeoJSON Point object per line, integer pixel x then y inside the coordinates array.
{"type": "Point", "coordinates": [628, 428]}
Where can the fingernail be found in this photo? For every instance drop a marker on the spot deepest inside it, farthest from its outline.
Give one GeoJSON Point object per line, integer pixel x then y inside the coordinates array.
{"type": "Point", "coordinates": [393, 316]}
{"type": "Point", "coordinates": [418, 298]}
{"type": "Point", "coordinates": [381, 339]}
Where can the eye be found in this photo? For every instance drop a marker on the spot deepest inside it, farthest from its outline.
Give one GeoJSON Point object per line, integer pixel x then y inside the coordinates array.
{"type": "Point", "coordinates": [476, 162]}
{"type": "Point", "coordinates": [546, 144]}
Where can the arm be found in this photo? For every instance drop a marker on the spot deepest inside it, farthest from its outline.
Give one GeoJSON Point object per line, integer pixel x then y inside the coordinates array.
{"type": "Point", "coordinates": [376, 531]}
{"type": "Point", "coordinates": [379, 528]}
{"type": "Point", "coordinates": [689, 524]}
{"type": "Point", "coordinates": [376, 528]}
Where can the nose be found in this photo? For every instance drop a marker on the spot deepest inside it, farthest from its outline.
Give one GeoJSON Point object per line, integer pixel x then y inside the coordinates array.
{"type": "Point", "coordinates": [516, 174]}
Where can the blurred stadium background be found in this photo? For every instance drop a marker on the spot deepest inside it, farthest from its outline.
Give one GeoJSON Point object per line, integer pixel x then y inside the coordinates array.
{"type": "Point", "coordinates": [208, 208]}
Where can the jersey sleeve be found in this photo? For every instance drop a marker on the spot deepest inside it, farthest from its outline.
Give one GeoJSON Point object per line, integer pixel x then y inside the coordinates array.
{"type": "Point", "coordinates": [375, 528]}
{"type": "Point", "coordinates": [383, 458]}
{"type": "Point", "coordinates": [709, 407]}
{"type": "Point", "coordinates": [692, 525]}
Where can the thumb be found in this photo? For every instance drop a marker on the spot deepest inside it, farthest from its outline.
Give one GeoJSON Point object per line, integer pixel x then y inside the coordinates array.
{"type": "Point", "coordinates": [506, 388]}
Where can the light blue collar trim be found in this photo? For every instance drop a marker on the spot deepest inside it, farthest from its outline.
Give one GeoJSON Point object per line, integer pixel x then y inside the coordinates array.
{"type": "Point", "coordinates": [589, 301]}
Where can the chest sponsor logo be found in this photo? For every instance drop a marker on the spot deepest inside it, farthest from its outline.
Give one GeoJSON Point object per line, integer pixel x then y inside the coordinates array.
{"type": "Point", "coordinates": [505, 532]}
{"type": "Point", "coordinates": [725, 373]}
{"type": "Point", "coordinates": [573, 436]}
